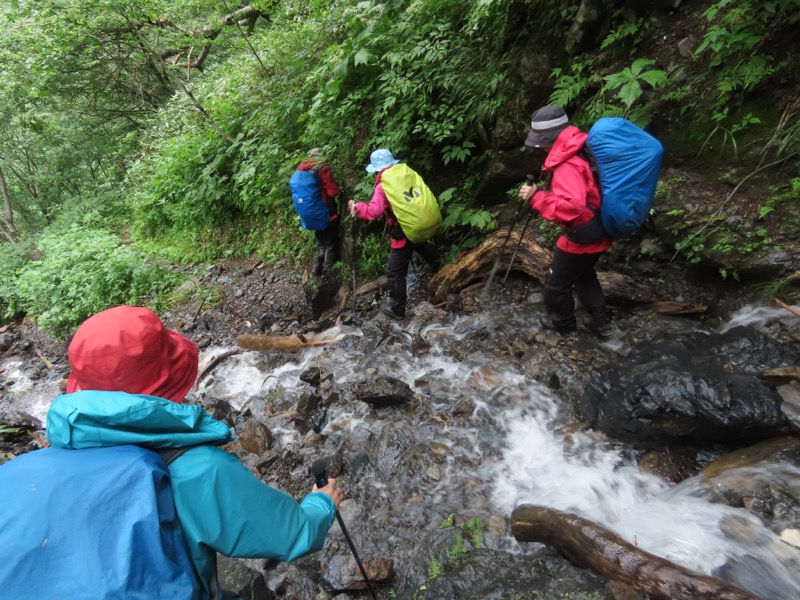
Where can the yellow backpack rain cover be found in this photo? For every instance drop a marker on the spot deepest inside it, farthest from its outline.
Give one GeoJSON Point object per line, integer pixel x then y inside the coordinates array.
{"type": "Point", "coordinates": [412, 202]}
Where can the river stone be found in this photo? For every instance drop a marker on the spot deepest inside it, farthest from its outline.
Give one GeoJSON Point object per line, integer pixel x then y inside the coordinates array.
{"type": "Point", "coordinates": [485, 574]}
{"type": "Point", "coordinates": [383, 391]}
{"type": "Point", "coordinates": [234, 576]}
{"type": "Point", "coordinates": [255, 437]}
{"type": "Point", "coordinates": [342, 572]}
{"type": "Point", "coordinates": [693, 387]}
{"type": "Point", "coordinates": [791, 402]}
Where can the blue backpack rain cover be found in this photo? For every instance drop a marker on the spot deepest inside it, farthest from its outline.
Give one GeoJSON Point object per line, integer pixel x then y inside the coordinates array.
{"type": "Point", "coordinates": [307, 198]}
{"type": "Point", "coordinates": [628, 160]}
{"type": "Point", "coordinates": [91, 524]}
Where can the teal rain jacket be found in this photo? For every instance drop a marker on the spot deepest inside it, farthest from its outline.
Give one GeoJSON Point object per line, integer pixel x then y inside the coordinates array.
{"type": "Point", "coordinates": [221, 505]}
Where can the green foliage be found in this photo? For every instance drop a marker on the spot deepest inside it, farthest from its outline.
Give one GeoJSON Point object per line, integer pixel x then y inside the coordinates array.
{"type": "Point", "coordinates": [791, 194]}
{"type": "Point", "coordinates": [458, 549]}
{"type": "Point", "coordinates": [464, 226]}
{"type": "Point", "coordinates": [728, 135]}
{"type": "Point", "coordinates": [82, 271]}
{"type": "Point", "coordinates": [734, 46]}
{"type": "Point", "coordinates": [616, 94]}
{"type": "Point", "coordinates": [474, 529]}
{"type": "Point", "coordinates": [434, 568]}
{"type": "Point", "coordinates": [628, 81]}
{"type": "Point", "coordinates": [4, 429]}
{"type": "Point", "coordinates": [373, 252]}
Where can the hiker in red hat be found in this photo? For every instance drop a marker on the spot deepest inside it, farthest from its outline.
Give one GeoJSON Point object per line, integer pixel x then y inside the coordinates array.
{"type": "Point", "coordinates": [135, 497]}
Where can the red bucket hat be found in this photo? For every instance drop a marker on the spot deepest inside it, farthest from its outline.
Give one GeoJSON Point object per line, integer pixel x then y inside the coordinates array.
{"type": "Point", "coordinates": [128, 349]}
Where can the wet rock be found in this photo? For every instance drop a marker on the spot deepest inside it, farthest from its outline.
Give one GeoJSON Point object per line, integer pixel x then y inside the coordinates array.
{"type": "Point", "coordinates": [311, 376]}
{"type": "Point", "coordinates": [255, 437]}
{"type": "Point", "coordinates": [383, 391]}
{"type": "Point", "coordinates": [616, 590]}
{"type": "Point", "coordinates": [695, 386]}
{"type": "Point", "coordinates": [6, 340]}
{"type": "Point", "coordinates": [234, 576]}
{"type": "Point", "coordinates": [770, 490]}
{"type": "Point", "coordinates": [342, 572]}
{"type": "Point", "coordinates": [791, 402]}
{"type": "Point", "coordinates": [673, 464]}
{"type": "Point", "coordinates": [482, 572]}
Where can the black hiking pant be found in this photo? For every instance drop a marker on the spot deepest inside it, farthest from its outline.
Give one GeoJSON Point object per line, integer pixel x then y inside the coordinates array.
{"type": "Point", "coordinates": [328, 244]}
{"type": "Point", "coordinates": [397, 271]}
{"type": "Point", "coordinates": [570, 272]}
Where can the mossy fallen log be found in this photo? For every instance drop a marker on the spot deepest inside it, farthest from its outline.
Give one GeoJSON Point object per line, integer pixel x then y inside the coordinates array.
{"type": "Point", "coordinates": [592, 546]}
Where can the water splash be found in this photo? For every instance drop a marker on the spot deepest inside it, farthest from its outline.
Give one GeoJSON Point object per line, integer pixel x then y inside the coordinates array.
{"type": "Point", "coordinates": [760, 316]}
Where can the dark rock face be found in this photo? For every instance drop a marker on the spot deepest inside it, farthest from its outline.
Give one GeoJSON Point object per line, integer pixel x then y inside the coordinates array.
{"type": "Point", "coordinates": [696, 386]}
{"type": "Point", "coordinates": [383, 391]}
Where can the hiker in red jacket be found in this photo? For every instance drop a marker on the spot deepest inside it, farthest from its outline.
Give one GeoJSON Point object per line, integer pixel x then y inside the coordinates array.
{"type": "Point", "coordinates": [328, 239]}
{"type": "Point", "coordinates": [572, 200]}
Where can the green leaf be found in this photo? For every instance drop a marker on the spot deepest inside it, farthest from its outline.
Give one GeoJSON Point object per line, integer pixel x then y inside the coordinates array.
{"type": "Point", "coordinates": [362, 57]}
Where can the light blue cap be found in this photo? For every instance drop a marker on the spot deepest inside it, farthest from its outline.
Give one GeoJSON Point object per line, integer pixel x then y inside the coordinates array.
{"type": "Point", "coordinates": [381, 159]}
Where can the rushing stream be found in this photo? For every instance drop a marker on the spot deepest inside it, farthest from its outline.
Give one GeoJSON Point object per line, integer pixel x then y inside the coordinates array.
{"type": "Point", "coordinates": [482, 437]}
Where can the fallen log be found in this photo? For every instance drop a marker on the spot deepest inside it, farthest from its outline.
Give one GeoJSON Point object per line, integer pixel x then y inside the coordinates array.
{"type": "Point", "coordinates": [780, 375]}
{"type": "Point", "coordinates": [532, 260]}
{"type": "Point", "coordinates": [275, 343]}
{"type": "Point", "coordinates": [668, 307]}
{"type": "Point", "coordinates": [475, 265]}
{"type": "Point", "coordinates": [786, 307]}
{"type": "Point", "coordinates": [592, 546]}
{"type": "Point", "coordinates": [209, 364]}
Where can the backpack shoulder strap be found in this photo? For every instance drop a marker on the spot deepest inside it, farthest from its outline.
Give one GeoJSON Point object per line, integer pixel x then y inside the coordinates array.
{"type": "Point", "coordinates": [170, 454]}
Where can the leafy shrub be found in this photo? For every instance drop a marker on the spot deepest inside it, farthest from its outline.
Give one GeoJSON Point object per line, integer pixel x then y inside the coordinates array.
{"type": "Point", "coordinates": [83, 271]}
{"type": "Point", "coordinates": [373, 253]}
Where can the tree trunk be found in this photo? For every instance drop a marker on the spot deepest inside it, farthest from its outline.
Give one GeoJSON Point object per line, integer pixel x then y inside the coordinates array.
{"type": "Point", "coordinates": [592, 546]}
{"type": "Point", "coordinates": [7, 230]}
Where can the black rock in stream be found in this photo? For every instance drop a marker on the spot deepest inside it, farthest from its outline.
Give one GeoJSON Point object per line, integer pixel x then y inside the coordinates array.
{"type": "Point", "coordinates": [697, 387]}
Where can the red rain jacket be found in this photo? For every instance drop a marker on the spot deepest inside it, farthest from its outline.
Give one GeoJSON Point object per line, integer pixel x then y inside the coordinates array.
{"type": "Point", "coordinates": [573, 190]}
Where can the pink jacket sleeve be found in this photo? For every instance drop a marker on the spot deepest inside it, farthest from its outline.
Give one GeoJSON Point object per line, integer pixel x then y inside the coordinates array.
{"type": "Point", "coordinates": [376, 207]}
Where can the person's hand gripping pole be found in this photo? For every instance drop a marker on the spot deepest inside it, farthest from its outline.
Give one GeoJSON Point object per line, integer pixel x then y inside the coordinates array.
{"type": "Point", "coordinates": [526, 192]}
{"type": "Point", "coordinates": [321, 483]}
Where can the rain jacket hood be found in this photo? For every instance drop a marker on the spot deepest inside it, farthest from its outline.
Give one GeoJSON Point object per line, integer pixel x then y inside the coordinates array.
{"type": "Point", "coordinates": [567, 145]}
{"type": "Point", "coordinates": [92, 419]}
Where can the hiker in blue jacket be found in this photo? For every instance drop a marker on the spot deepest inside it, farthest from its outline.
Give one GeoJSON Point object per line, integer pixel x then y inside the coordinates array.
{"type": "Point", "coordinates": [129, 375]}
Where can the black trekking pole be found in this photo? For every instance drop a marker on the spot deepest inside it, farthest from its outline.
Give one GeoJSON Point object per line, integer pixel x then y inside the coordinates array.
{"type": "Point", "coordinates": [519, 243]}
{"type": "Point", "coordinates": [529, 179]}
{"type": "Point", "coordinates": [318, 471]}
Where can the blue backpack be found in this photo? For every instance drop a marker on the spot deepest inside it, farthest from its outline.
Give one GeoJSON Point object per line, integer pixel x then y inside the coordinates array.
{"type": "Point", "coordinates": [628, 160]}
{"type": "Point", "coordinates": [307, 198]}
{"type": "Point", "coordinates": [91, 524]}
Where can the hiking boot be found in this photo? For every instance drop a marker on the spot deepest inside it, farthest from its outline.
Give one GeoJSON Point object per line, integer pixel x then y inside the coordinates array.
{"type": "Point", "coordinates": [603, 329]}
{"type": "Point", "coordinates": [386, 309]}
{"type": "Point", "coordinates": [547, 325]}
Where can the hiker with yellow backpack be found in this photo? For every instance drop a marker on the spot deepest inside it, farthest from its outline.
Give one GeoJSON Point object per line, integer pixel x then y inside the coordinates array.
{"type": "Point", "coordinates": [412, 217]}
